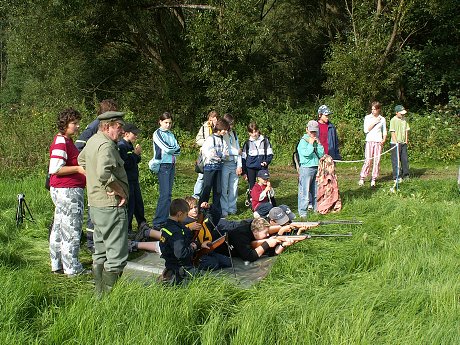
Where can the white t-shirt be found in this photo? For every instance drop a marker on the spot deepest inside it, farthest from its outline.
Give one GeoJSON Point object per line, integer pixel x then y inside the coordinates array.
{"type": "Point", "coordinates": [378, 131]}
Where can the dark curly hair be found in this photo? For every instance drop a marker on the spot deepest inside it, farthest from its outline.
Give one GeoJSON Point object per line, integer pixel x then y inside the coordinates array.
{"type": "Point", "coordinates": [65, 117]}
{"type": "Point", "coordinates": [107, 105]}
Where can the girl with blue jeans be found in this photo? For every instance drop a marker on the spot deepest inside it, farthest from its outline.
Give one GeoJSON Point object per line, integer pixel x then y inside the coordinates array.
{"type": "Point", "coordinates": [165, 149]}
{"type": "Point", "coordinates": [215, 151]}
{"type": "Point", "coordinates": [310, 151]}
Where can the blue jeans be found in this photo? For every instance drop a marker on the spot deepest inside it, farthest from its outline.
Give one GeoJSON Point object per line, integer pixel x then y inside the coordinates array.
{"type": "Point", "coordinates": [165, 182]}
{"type": "Point", "coordinates": [307, 187]}
{"type": "Point", "coordinates": [198, 186]}
{"type": "Point", "coordinates": [229, 188]}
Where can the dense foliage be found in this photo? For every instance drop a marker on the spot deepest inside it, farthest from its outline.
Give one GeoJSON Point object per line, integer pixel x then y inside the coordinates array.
{"type": "Point", "coordinates": [230, 55]}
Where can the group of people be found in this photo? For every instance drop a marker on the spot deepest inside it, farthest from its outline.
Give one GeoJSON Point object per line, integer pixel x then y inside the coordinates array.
{"type": "Point", "coordinates": [105, 160]}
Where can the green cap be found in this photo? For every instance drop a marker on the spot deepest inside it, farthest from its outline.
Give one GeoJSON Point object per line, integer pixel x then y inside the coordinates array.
{"type": "Point", "coordinates": [112, 116]}
{"type": "Point", "coordinates": [400, 109]}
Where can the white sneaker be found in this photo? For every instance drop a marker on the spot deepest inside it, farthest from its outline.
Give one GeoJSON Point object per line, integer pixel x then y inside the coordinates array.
{"type": "Point", "coordinates": [361, 182]}
{"type": "Point", "coordinates": [373, 183]}
{"type": "Point", "coordinates": [310, 207]}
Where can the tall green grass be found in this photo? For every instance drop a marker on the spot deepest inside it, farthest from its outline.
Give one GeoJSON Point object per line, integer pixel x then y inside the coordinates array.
{"type": "Point", "coordinates": [394, 282]}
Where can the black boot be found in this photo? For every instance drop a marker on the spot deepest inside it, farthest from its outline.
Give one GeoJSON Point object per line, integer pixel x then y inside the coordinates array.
{"type": "Point", "coordinates": [97, 273]}
{"type": "Point", "coordinates": [109, 279]}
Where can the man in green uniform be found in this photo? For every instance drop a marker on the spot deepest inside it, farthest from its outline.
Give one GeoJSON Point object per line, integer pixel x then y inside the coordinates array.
{"type": "Point", "coordinates": [108, 192]}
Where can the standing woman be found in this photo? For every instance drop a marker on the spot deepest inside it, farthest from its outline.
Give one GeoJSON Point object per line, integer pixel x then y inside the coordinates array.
{"type": "Point", "coordinates": [165, 149]}
{"type": "Point", "coordinates": [67, 182]}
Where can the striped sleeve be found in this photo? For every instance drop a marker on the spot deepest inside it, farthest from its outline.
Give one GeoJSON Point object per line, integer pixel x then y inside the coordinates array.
{"type": "Point", "coordinates": [58, 154]}
{"type": "Point", "coordinates": [166, 142]}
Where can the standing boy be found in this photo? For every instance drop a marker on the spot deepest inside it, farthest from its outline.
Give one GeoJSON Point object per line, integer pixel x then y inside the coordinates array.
{"type": "Point", "coordinates": [310, 151]}
{"type": "Point", "coordinates": [399, 130]}
{"type": "Point", "coordinates": [327, 133]}
{"type": "Point", "coordinates": [132, 156]}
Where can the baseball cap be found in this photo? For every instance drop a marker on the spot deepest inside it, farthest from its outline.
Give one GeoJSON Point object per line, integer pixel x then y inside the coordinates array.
{"type": "Point", "coordinates": [129, 127]}
{"type": "Point", "coordinates": [324, 109]}
{"type": "Point", "coordinates": [280, 216]}
{"type": "Point", "coordinates": [263, 174]}
{"type": "Point", "coordinates": [312, 126]}
{"type": "Point", "coordinates": [400, 109]}
{"type": "Point", "coordinates": [288, 212]}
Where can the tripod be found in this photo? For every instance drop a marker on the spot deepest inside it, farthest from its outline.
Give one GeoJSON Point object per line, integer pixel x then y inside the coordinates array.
{"type": "Point", "coordinates": [21, 210]}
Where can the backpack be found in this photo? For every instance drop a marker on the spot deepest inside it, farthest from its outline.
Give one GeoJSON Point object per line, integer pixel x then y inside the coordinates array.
{"type": "Point", "coordinates": [296, 158]}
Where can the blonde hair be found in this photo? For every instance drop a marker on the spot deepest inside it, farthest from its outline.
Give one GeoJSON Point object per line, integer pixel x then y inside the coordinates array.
{"type": "Point", "coordinates": [259, 224]}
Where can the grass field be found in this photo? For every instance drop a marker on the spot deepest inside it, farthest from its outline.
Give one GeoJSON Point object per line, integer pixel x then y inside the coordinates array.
{"type": "Point", "coordinates": [396, 281]}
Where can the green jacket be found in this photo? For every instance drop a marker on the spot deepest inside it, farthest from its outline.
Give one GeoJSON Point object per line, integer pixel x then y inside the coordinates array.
{"type": "Point", "coordinates": [307, 155]}
{"type": "Point", "coordinates": [103, 165]}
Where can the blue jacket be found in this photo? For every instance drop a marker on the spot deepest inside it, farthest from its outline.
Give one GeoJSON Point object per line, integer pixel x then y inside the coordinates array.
{"type": "Point", "coordinates": [165, 146]}
{"type": "Point", "coordinates": [130, 158]}
{"type": "Point", "coordinates": [256, 152]}
{"type": "Point", "coordinates": [332, 142]}
{"type": "Point", "coordinates": [89, 131]}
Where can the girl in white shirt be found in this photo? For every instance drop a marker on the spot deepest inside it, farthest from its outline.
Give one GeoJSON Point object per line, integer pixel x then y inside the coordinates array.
{"type": "Point", "coordinates": [376, 134]}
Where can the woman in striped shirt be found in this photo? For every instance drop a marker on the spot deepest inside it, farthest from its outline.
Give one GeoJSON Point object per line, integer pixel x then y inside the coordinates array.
{"type": "Point", "coordinates": [67, 182]}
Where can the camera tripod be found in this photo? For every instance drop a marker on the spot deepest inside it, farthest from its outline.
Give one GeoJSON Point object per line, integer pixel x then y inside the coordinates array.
{"type": "Point", "coordinates": [21, 210]}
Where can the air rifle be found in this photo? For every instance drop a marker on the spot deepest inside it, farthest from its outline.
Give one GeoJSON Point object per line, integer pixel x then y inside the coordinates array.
{"type": "Point", "coordinates": [297, 238]}
{"type": "Point", "coordinates": [203, 251]}
{"type": "Point", "coordinates": [302, 226]}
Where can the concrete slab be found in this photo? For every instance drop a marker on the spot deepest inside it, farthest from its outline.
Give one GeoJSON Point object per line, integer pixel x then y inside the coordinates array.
{"type": "Point", "coordinates": [149, 266]}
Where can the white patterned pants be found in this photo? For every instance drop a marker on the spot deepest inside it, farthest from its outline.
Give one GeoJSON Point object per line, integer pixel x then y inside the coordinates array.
{"type": "Point", "coordinates": [66, 231]}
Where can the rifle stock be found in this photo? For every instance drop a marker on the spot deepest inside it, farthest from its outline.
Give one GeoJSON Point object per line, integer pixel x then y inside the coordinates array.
{"type": "Point", "coordinates": [203, 251]}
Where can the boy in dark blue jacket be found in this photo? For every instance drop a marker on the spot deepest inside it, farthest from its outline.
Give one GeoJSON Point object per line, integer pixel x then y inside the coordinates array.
{"type": "Point", "coordinates": [132, 156]}
{"type": "Point", "coordinates": [177, 245]}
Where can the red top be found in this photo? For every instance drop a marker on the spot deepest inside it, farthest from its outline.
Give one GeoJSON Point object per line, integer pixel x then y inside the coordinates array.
{"type": "Point", "coordinates": [256, 190]}
{"type": "Point", "coordinates": [323, 127]}
{"type": "Point", "coordinates": [64, 153]}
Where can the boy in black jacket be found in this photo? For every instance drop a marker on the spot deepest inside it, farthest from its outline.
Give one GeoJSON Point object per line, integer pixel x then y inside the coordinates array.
{"type": "Point", "coordinates": [177, 246]}
{"type": "Point", "coordinates": [132, 156]}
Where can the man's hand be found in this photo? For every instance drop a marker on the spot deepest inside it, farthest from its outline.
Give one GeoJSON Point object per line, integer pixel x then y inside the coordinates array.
{"type": "Point", "coordinates": [239, 171]}
{"type": "Point", "coordinates": [264, 164]}
{"type": "Point", "coordinates": [138, 150]}
{"type": "Point", "coordinates": [204, 204]}
{"type": "Point", "coordinates": [121, 196]}
{"type": "Point", "coordinates": [118, 191]}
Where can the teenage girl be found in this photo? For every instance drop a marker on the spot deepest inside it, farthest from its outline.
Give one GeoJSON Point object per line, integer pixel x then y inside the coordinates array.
{"type": "Point", "coordinates": [165, 148]}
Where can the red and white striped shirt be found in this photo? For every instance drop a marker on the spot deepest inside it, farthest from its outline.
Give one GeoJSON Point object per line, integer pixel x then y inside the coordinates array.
{"type": "Point", "coordinates": [64, 153]}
